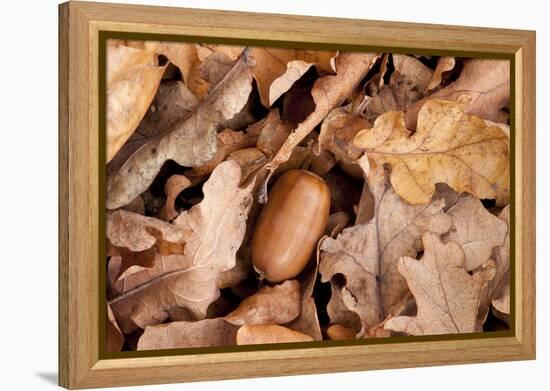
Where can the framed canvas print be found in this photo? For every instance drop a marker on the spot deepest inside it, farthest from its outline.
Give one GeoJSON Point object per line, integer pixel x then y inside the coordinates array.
{"type": "Point", "coordinates": [251, 195]}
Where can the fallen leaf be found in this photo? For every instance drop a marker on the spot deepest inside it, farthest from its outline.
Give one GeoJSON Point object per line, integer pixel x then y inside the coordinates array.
{"type": "Point", "coordinates": [173, 102]}
{"type": "Point", "coordinates": [446, 295]}
{"type": "Point", "coordinates": [336, 223]}
{"type": "Point", "coordinates": [307, 321]}
{"type": "Point", "coordinates": [202, 333]}
{"type": "Point", "coordinates": [181, 54]}
{"type": "Point", "coordinates": [449, 146]}
{"type": "Point", "coordinates": [499, 288]}
{"type": "Point", "coordinates": [138, 233]}
{"type": "Point", "coordinates": [415, 72]}
{"type": "Point", "coordinates": [133, 76]}
{"type": "Point", "coordinates": [485, 81]}
{"type": "Point", "coordinates": [228, 141]}
{"type": "Point", "coordinates": [205, 74]}
{"type": "Point", "coordinates": [270, 305]}
{"type": "Point", "coordinates": [337, 132]}
{"type": "Point", "coordinates": [114, 337]}
{"type": "Point", "coordinates": [279, 68]}
{"type": "Point", "coordinates": [173, 187]}
{"type": "Point", "coordinates": [476, 230]}
{"type": "Point", "coordinates": [272, 133]}
{"type": "Point", "coordinates": [250, 160]}
{"type": "Point", "coordinates": [444, 64]}
{"type": "Point", "coordinates": [328, 92]}
{"type": "Point", "coordinates": [268, 333]}
{"type": "Point", "coordinates": [337, 332]}
{"type": "Point", "coordinates": [192, 142]}
{"type": "Point", "coordinates": [366, 254]}
{"type": "Point", "coordinates": [214, 230]}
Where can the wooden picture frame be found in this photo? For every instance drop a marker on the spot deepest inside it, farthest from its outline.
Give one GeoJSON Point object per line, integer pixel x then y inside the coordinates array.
{"type": "Point", "coordinates": [83, 25]}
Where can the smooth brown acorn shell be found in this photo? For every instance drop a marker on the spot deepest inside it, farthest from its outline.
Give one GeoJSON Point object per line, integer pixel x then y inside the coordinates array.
{"type": "Point", "coordinates": [289, 225]}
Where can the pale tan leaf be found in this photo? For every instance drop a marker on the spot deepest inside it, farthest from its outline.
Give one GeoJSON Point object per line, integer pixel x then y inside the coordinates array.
{"type": "Point", "coordinates": [449, 146]}
{"type": "Point", "coordinates": [190, 143]}
{"type": "Point", "coordinates": [499, 288]}
{"type": "Point", "coordinates": [476, 230]}
{"type": "Point", "coordinates": [270, 305]}
{"type": "Point", "coordinates": [272, 133]}
{"type": "Point", "coordinates": [228, 141]}
{"type": "Point", "coordinates": [337, 332]}
{"type": "Point", "coordinates": [250, 160]}
{"type": "Point", "coordinates": [337, 132]}
{"type": "Point", "coordinates": [485, 81]}
{"type": "Point", "coordinates": [307, 322]}
{"type": "Point", "coordinates": [414, 70]}
{"type": "Point", "coordinates": [279, 68]}
{"type": "Point", "coordinates": [133, 76]}
{"type": "Point", "coordinates": [173, 102]}
{"type": "Point", "coordinates": [444, 64]}
{"type": "Point", "coordinates": [446, 295]}
{"type": "Point", "coordinates": [137, 233]}
{"type": "Point", "coordinates": [173, 186]}
{"type": "Point", "coordinates": [202, 333]}
{"type": "Point", "coordinates": [181, 54]}
{"type": "Point", "coordinates": [366, 254]}
{"type": "Point", "coordinates": [262, 334]}
{"type": "Point", "coordinates": [214, 230]}
{"type": "Point", "coordinates": [114, 337]}
{"type": "Point", "coordinates": [328, 92]}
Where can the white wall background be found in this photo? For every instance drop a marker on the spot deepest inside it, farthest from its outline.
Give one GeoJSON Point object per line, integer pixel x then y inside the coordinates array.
{"type": "Point", "coordinates": [28, 193]}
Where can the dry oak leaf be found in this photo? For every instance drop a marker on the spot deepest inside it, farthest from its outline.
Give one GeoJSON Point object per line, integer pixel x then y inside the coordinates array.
{"type": "Point", "coordinates": [272, 133]}
{"type": "Point", "coordinates": [307, 321]}
{"type": "Point", "coordinates": [337, 332]}
{"type": "Point", "coordinates": [444, 64]}
{"type": "Point", "coordinates": [172, 103]}
{"type": "Point", "coordinates": [268, 333]}
{"type": "Point", "coordinates": [476, 230]}
{"type": "Point", "coordinates": [228, 141]}
{"type": "Point", "coordinates": [498, 290]}
{"type": "Point", "coordinates": [202, 333]}
{"type": "Point", "coordinates": [181, 54]}
{"type": "Point", "coordinates": [173, 186]}
{"type": "Point", "coordinates": [250, 160]}
{"type": "Point", "coordinates": [270, 305]}
{"type": "Point", "coordinates": [133, 76]}
{"type": "Point", "coordinates": [114, 337]}
{"type": "Point", "coordinates": [449, 146]}
{"type": "Point", "coordinates": [446, 295]}
{"type": "Point", "coordinates": [418, 74]}
{"type": "Point", "coordinates": [501, 283]}
{"type": "Point", "coordinates": [337, 132]}
{"type": "Point", "coordinates": [138, 239]}
{"type": "Point", "coordinates": [366, 254]}
{"type": "Point", "coordinates": [328, 92]}
{"type": "Point", "coordinates": [214, 230]}
{"type": "Point", "coordinates": [485, 81]}
{"type": "Point", "coordinates": [190, 143]}
{"type": "Point", "coordinates": [278, 69]}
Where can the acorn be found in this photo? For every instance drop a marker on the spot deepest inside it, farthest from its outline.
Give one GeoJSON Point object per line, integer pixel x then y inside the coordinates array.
{"type": "Point", "coordinates": [290, 225]}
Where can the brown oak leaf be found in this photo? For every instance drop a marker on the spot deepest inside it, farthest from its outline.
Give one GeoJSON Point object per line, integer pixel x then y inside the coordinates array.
{"type": "Point", "coordinates": [214, 230]}
{"type": "Point", "coordinates": [190, 143]}
{"type": "Point", "coordinates": [133, 76]}
{"type": "Point", "coordinates": [268, 333]}
{"type": "Point", "coordinates": [328, 92]}
{"type": "Point", "coordinates": [366, 254]}
{"type": "Point", "coordinates": [485, 81]}
{"type": "Point", "coordinates": [270, 305]}
{"type": "Point", "coordinates": [444, 64]}
{"type": "Point", "coordinates": [446, 295]}
{"type": "Point", "coordinates": [476, 230]}
{"type": "Point", "coordinates": [114, 337]}
{"type": "Point", "coordinates": [173, 186]}
{"type": "Point", "coordinates": [202, 333]}
{"type": "Point", "coordinates": [449, 146]}
{"type": "Point", "coordinates": [500, 285]}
